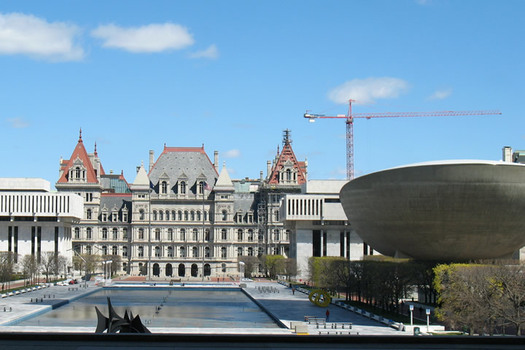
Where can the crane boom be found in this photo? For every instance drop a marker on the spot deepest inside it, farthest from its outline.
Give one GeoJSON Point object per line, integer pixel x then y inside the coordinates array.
{"type": "Point", "coordinates": [349, 118]}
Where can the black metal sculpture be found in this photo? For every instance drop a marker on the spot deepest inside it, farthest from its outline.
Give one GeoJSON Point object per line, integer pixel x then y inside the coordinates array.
{"type": "Point", "coordinates": [116, 324]}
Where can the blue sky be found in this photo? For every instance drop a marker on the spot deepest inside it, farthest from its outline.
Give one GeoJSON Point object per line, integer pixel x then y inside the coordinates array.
{"type": "Point", "coordinates": [232, 75]}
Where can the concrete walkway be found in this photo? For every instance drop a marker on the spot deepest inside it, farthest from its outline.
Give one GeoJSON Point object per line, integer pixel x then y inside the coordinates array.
{"type": "Point", "coordinates": [19, 306]}
{"type": "Point", "coordinates": [289, 307]}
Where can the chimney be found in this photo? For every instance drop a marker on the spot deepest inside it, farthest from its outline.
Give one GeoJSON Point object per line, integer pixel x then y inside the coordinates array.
{"type": "Point", "coordinates": [216, 160]}
{"type": "Point", "coordinates": [507, 154]}
{"type": "Point", "coordinates": [151, 159]}
{"type": "Point", "coordinates": [268, 169]}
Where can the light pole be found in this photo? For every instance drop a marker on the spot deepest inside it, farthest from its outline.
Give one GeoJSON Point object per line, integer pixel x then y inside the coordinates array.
{"type": "Point", "coordinates": [428, 320]}
{"type": "Point", "coordinates": [411, 307]}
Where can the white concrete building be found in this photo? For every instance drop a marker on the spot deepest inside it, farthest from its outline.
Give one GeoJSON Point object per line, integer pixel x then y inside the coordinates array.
{"type": "Point", "coordinates": [34, 220]}
{"type": "Point", "coordinates": [319, 227]}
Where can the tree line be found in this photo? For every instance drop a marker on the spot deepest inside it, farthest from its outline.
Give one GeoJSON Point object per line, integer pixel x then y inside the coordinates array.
{"type": "Point", "coordinates": [48, 265]}
{"type": "Point", "coordinates": [481, 298]}
{"type": "Point", "coordinates": [379, 281]}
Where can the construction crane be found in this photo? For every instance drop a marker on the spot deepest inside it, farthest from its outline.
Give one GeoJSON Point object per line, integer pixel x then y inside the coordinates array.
{"type": "Point", "coordinates": [349, 119]}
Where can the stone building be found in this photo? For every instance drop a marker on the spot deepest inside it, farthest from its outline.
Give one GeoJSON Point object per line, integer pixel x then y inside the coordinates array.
{"type": "Point", "coordinates": [182, 217]}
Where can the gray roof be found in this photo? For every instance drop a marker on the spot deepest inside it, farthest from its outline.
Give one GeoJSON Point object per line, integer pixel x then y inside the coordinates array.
{"type": "Point", "coordinates": [190, 163]}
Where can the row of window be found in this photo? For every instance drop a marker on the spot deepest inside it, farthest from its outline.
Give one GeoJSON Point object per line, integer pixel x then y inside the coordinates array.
{"type": "Point", "coordinates": [106, 233]}
{"type": "Point", "coordinates": [242, 235]}
{"type": "Point", "coordinates": [182, 187]}
{"type": "Point", "coordinates": [172, 252]}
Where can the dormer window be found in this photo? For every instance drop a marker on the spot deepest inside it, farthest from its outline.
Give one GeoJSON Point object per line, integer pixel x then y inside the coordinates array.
{"type": "Point", "coordinates": [164, 187]}
{"type": "Point", "coordinates": [183, 187]}
{"type": "Point", "coordinates": [77, 173]}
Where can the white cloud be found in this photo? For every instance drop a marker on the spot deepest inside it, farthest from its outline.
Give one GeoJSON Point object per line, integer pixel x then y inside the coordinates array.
{"type": "Point", "coordinates": [211, 52]}
{"type": "Point", "coordinates": [149, 38]}
{"type": "Point", "coordinates": [17, 123]}
{"type": "Point", "coordinates": [366, 91]}
{"type": "Point", "coordinates": [441, 94]}
{"type": "Point", "coordinates": [233, 153]}
{"type": "Point", "coordinates": [33, 36]}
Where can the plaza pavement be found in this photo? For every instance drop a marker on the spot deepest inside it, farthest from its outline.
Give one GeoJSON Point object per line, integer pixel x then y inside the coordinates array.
{"type": "Point", "coordinates": [277, 299]}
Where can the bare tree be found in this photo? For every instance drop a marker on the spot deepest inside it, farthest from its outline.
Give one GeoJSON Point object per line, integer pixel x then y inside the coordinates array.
{"type": "Point", "coordinates": [30, 268]}
{"type": "Point", "coordinates": [250, 262]}
{"type": "Point", "coordinates": [7, 264]}
{"type": "Point", "coordinates": [49, 264]}
{"type": "Point", "coordinates": [509, 301]}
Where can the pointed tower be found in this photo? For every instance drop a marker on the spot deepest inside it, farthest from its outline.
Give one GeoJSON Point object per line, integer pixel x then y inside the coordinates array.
{"type": "Point", "coordinates": [287, 170]}
{"type": "Point", "coordinates": [224, 197]}
{"type": "Point", "coordinates": [140, 191]}
{"type": "Point", "coordinates": [81, 174]}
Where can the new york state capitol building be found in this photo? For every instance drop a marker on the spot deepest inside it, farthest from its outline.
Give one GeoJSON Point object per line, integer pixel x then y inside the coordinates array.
{"type": "Point", "coordinates": [183, 217]}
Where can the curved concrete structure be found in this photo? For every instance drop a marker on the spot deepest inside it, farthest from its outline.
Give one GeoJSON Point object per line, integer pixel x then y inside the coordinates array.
{"type": "Point", "coordinates": [450, 210]}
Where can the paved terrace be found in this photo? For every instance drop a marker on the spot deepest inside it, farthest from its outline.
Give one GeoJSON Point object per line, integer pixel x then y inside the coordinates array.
{"type": "Point", "coordinates": [278, 300]}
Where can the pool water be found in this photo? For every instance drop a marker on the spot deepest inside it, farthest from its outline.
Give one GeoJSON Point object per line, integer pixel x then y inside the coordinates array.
{"type": "Point", "coordinates": [179, 308]}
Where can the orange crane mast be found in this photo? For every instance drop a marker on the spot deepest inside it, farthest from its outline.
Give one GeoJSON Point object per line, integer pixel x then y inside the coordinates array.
{"type": "Point", "coordinates": [349, 119]}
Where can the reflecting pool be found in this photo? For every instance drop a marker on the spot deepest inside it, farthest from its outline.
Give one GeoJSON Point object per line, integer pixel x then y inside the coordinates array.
{"type": "Point", "coordinates": [162, 307]}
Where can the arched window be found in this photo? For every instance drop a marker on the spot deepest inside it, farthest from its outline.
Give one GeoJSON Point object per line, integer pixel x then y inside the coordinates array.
{"type": "Point", "coordinates": [182, 234]}
{"type": "Point", "coordinates": [195, 252]}
{"type": "Point", "coordinates": [164, 187]}
{"type": "Point", "coordinates": [157, 234]}
{"type": "Point", "coordinates": [124, 251]}
{"type": "Point", "coordinates": [104, 233]}
{"type": "Point", "coordinates": [170, 234]}
{"type": "Point", "coordinates": [224, 215]}
{"type": "Point", "coordinates": [182, 270]}
{"type": "Point", "coordinates": [156, 270]}
{"type": "Point", "coordinates": [157, 252]}
{"type": "Point", "coordinates": [239, 235]}
{"type": "Point", "coordinates": [161, 215]}
{"type": "Point", "coordinates": [167, 215]}
{"type": "Point", "coordinates": [154, 215]}
{"type": "Point", "coordinates": [104, 250]}
{"type": "Point", "coordinates": [89, 234]}
{"type": "Point", "coordinates": [173, 217]}
{"type": "Point", "coordinates": [182, 252]}
{"type": "Point", "coordinates": [194, 270]}
{"type": "Point", "coordinates": [141, 233]}
{"type": "Point", "coordinates": [250, 251]}
{"type": "Point", "coordinates": [288, 175]}
{"type": "Point", "coordinates": [198, 216]}
{"type": "Point", "coordinates": [207, 252]}
{"type": "Point", "coordinates": [169, 270]}
{"type": "Point", "coordinates": [186, 215]}
{"type": "Point", "coordinates": [77, 233]}
{"type": "Point", "coordinates": [207, 270]}
{"type": "Point", "coordinates": [223, 252]}
{"type": "Point", "coordinates": [192, 215]}
{"type": "Point", "coordinates": [182, 187]}
{"type": "Point", "coordinates": [170, 252]}
{"type": "Point", "coordinates": [180, 215]}
{"type": "Point", "coordinates": [250, 235]}
{"type": "Point", "coordinates": [141, 214]}
{"type": "Point", "coordinates": [207, 235]}
{"type": "Point", "coordinates": [239, 251]}
{"type": "Point", "coordinates": [115, 233]}
{"type": "Point", "coordinates": [195, 234]}
{"type": "Point", "coordinates": [114, 250]}
{"type": "Point", "coordinates": [141, 251]}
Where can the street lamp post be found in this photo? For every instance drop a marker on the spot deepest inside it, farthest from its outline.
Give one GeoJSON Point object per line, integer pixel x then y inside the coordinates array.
{"type": "Point", "coordinates": [411, 307]}
{"type": "Point", "coordinates": [428, 320]}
